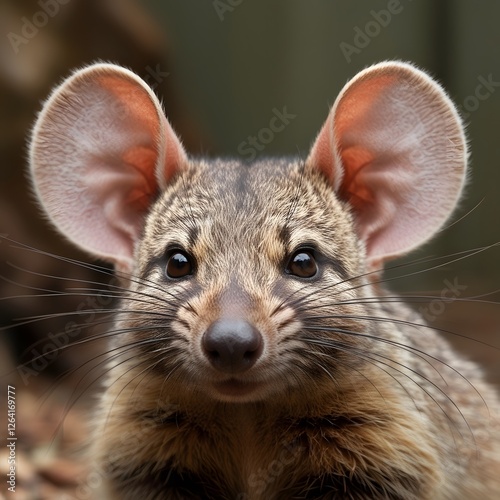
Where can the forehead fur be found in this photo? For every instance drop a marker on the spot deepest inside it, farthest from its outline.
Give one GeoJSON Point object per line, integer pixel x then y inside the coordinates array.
{"type": "Point", "coordinates": [232, 211]}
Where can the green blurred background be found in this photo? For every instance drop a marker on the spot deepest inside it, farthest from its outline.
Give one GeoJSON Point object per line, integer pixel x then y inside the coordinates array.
{"type": "Point", "coordinates": [220, 68]}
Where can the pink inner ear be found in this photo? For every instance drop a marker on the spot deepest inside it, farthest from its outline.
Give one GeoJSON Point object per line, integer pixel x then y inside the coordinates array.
{"type": "Point", "coordinates": [100, 148]}
{"type": "Point", "coordinates": [170, 155]}
{"type": "Point", "coordinates": [356, 114]}
{"type": "Point", "coordinates": [142, 191]}
{"type": "Point", "coordinates": [353, 189]}
{"type": "Point", "coordinates": [393, 147]}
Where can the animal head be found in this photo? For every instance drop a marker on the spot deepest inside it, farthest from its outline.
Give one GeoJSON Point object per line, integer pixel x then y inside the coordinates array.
{"type": "Point", "coordinates": [228, 262]}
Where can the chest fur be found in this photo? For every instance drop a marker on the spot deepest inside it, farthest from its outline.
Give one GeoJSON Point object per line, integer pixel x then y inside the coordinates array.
{"type": "Point", "coordinates": [243, 454]}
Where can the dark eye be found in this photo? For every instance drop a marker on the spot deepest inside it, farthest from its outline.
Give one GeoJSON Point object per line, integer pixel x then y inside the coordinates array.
{"type": "Point", "coordinates": [178, 265]}
{"type": "Point", "coordinates": [302, 264]}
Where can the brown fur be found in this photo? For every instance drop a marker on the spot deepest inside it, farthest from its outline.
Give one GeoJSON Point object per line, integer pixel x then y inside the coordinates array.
{"type": "Point", "coordinates": [349, 394]}
{"type": "Point", "coordinates": [381, 415]}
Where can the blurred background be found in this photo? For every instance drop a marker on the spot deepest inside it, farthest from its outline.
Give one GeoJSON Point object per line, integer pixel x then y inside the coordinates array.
{"type": "Point", "coordinates": [220, 68]}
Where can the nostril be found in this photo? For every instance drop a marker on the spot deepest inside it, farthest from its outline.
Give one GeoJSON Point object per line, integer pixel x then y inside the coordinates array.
{"type": "Point", "coordinates": [232, 345]}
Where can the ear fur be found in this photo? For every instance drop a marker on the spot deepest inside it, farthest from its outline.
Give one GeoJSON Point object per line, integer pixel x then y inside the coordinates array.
{"type": "Point", "coordinates": [100, 151]}
{"type": "Point", "coordinates": [393, 147]}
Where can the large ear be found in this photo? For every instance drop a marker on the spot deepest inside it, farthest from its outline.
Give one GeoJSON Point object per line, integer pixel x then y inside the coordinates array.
{"type": "Point", "coordinates": [101, 150]}
{"type": "Point", "coordinates": [393, 146]}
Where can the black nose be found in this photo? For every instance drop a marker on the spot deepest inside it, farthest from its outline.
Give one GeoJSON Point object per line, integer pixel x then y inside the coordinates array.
{"type": "Point", "coordinates": [232, 345]}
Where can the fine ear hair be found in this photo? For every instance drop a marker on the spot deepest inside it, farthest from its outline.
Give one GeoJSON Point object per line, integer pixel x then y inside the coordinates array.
{"type": "Point", "coordinates": [100, 151]}
{"type": "Point", "coordinates": [393, 147]}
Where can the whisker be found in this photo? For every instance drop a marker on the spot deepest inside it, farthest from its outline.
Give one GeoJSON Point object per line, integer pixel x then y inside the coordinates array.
{"type": "Point", "coordinates": [346, 348]}
{"type": "Point", "coordinates": [118, 351]}
{"type": "Point", "coordinates": [423, 325]}
{"type": "Point", "coordinates": [97, 337]}
{"type": "Point", "coordinates": [72, 401]}
{"type": "Point", "coordinates": [424, 356]}
{"type": "Point", "coordinates": [103, 291]}
{"type": "Point", "coordinates": [446, 227]}
{"type": "Point", "coordinates": [457, 256]}
{"type": "Point", "coordinates": [363, 355]}
{"type": "Point", "coordinates": [85, 265]}
{"type": "Point", "coordinates": [145, 371]}
{"type": "Point", "coordinates": [41, 317]}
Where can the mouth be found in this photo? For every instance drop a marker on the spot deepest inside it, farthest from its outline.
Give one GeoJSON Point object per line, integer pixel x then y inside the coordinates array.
{"type": "Point", "coordinates": [236, 389]}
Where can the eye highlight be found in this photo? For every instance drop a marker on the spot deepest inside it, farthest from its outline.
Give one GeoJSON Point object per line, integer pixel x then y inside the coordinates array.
{"type": "Point", "coordinates": [302, 264]}
{"type": "Point", "coordinates": [179, 264]}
